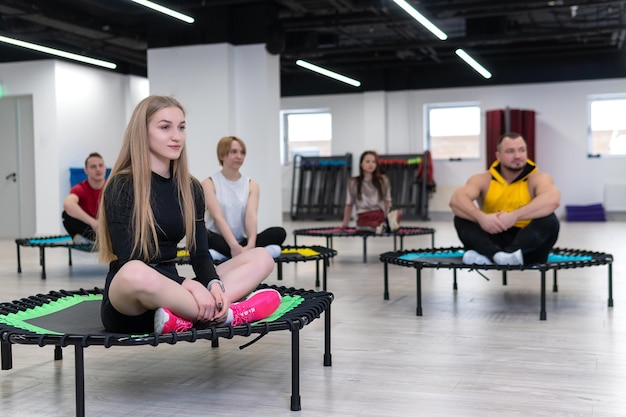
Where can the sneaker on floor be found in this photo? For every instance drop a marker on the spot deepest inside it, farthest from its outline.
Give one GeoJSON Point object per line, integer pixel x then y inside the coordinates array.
{"type": "Point", "coordinates": [471, 257]}
{"type": "Point", "coordinates": [217, 256]}
{"type": "Point", "coordinates": [258, 306]}
{"type": "Point", "coordinates": [509, 258]}
{"type": "Point", "coordinates": [274, 250]}
{"type": "Point", "coordinates": [82, 240]}
{"type": "Point", "coordinates": [167, 322]}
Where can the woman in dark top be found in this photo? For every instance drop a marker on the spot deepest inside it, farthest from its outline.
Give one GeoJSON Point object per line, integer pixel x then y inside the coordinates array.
{"type": "Point", "coordinates": [150, 203]}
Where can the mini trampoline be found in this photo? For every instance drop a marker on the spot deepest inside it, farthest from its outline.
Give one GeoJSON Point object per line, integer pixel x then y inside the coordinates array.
{"type": "Point", "coordinates": [65, 241]}
{"type": "Point", "coordinates": [290, 254]}
{"type": "Point", "coordinates": [331, 232]}
{"type": "Point", "coordinates": [58, 241]}
{"type": "Point", "coordinates": [63, 318]}
{"type": "Point", "coordinates": [451, 258]}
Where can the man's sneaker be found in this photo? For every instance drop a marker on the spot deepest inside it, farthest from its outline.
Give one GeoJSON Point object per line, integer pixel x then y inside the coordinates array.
{"type": "Point", "coordinates": [167, 322]}
{"type": "Point", "coordinates": [274, 250]}
{"type": "Point", "coordinates": [471, 257]}
{"type": "Point", "coordinates": [258, 306]}
{"type": "Point", "coordinates": [509, 258]}
{"type": "Point", "coordinates": [82, 240]}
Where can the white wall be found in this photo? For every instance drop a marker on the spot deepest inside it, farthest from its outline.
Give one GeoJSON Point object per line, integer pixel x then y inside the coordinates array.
{"type": "Point", "coordinates": [76, 110]}
{"type": "Point", "coordinates": [561, 132]}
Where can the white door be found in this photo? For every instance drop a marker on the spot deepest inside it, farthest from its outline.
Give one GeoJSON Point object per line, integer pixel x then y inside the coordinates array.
{"type": "Point", "coordinates": [17, 218]}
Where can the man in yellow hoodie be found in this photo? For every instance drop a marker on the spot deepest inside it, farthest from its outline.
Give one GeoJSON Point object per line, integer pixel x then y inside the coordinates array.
{"type": "Point", "coordinates": [506, 215]}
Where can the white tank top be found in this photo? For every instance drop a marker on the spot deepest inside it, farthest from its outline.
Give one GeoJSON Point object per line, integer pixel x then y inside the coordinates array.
{"type": "Point", "coordinates": [233, 199]}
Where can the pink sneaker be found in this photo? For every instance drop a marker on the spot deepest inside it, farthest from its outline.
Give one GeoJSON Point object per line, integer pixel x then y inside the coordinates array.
{"type": "Point", "coordinates": [258, 306]}
{"type": "Point", "coordinates": [167, 322]}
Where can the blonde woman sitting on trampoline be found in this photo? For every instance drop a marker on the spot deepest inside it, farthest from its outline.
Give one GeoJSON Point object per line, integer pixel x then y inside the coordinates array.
{"type": "Point", "coordinates": [150, 203]}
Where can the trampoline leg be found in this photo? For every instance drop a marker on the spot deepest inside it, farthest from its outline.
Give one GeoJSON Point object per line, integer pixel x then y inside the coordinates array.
{"type": "Point", "coordinates": [418, 284]}
{"type": "Point", "coordinates": [317, 275]}
{"type": "Point", "coordinates": [364, 249]}
{"type": "Point", "coordinates": [295, 369]}
{"type": "Point", "coordinates": [504, 282]}
{"type": "Point", "coordinates": [279, 270]}
{"type": "Point", "coordinates": [42, 261]}
{"type": "Point", "coordinates": [19, 259]}
{"type": "Point", "coordinates": [454, 283]}
{"type": "Point", "coordinates": [386, 282]}
{"type": "Point", "coordinates": [58, 353]}
{"type": "Point", "coordinates": [328, 360]}
{"type": "Point", "coordinates": [79, 365]}
{"type": "Point", "coordinates": [326, 264]}
{"type": "Point", "coordinates": [324, 274]}
{"type": "Point", "coordinates": [542, 313]}
{"type": "Point", "coordinates": [401, 242]}
{"type": "Point", "coordinates": [555, 286]}
{"type": "Point", "coordinates": [69, 256]}
{"type": "Point", "coordinates": [610, 285]}
{"type": "Point", "coordinates": [7, 355]}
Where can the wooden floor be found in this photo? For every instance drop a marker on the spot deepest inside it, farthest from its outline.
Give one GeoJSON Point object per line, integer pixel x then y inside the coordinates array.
{"type": "Point", "coordinates": [479, 351]}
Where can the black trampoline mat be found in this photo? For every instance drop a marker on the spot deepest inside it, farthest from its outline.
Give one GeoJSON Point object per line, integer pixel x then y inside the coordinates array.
{"type": "Point", "coordinates": [65, 321]}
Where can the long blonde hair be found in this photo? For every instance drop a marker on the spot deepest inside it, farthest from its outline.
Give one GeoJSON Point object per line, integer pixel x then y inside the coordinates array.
{"type": "Point", "coordinates": [133, 162]}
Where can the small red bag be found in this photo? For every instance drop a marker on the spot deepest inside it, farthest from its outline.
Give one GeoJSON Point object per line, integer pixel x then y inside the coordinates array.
{"type": "Point", "coordinates": [371, 219]}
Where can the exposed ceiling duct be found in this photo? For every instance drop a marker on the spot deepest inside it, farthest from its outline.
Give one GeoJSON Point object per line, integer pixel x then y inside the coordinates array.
{"type": "Point", "coordinates": [371, 40]}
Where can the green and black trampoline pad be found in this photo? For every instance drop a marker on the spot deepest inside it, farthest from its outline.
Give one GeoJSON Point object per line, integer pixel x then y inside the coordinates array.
{"type": "Point", "coordinates": [62, 318]}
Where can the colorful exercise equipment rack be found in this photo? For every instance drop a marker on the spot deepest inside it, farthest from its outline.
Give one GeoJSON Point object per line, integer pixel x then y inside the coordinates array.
{"type": "Point", "coordinates": [318, 186]}
{"type": "Point", "coordinates": [409, 191]}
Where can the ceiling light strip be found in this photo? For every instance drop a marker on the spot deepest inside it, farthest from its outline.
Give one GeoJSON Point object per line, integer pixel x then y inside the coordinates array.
{"type": "Point", "coordinates": [165, 10]}
{"type": "Point", "coordinates": [473, 63]}
{"type": "Point", "coordinates": [328, 73]}
{"type": "Point", "coordinates": [58, 52]}
{"type": "Point", "coordinates": [421, 19]}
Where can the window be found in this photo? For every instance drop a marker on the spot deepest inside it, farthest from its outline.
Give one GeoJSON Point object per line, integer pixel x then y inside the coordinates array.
{"type": "Point", "coordinates": [305, 132]}
{"type": "Point", "coordinates": [453, 130]}
{"type": "Point", "coordinates": [607, 126]}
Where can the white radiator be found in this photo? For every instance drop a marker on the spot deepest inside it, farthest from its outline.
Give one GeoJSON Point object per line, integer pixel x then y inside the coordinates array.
{"type": "Point", "coordinates": [615, 197]}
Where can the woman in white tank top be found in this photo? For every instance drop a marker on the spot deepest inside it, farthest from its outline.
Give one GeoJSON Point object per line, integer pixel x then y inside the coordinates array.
{"type": "Point", "coordinates": [232, 202]}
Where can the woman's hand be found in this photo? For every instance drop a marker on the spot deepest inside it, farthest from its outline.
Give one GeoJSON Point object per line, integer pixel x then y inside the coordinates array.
{"type": "Point", "coordinates": [236, 250]}
{"type": "Point", "coordinates": [222, 303]}
{"type": "Point", "coordinates": [207, 303]}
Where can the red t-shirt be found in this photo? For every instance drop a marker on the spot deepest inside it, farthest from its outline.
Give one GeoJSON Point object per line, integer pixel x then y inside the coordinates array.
{"type": "Point", "coordinates": [88, 198]}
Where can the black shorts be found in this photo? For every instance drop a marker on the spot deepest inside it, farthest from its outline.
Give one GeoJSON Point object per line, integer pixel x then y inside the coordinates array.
{"type": "Point", "coordinates": [116, 322]}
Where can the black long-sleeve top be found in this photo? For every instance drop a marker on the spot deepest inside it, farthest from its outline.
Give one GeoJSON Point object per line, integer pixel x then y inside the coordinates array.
{"type": "Point", "coordinates": [118, 204]}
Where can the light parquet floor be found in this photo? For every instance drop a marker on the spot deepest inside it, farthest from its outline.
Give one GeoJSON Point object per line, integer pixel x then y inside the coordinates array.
{"type": "Point", "coordinates": [479, 351]}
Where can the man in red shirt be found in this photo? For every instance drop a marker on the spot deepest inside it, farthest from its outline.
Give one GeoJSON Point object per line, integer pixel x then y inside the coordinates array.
{"type": "Point", "coordinates": [80, 207]}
